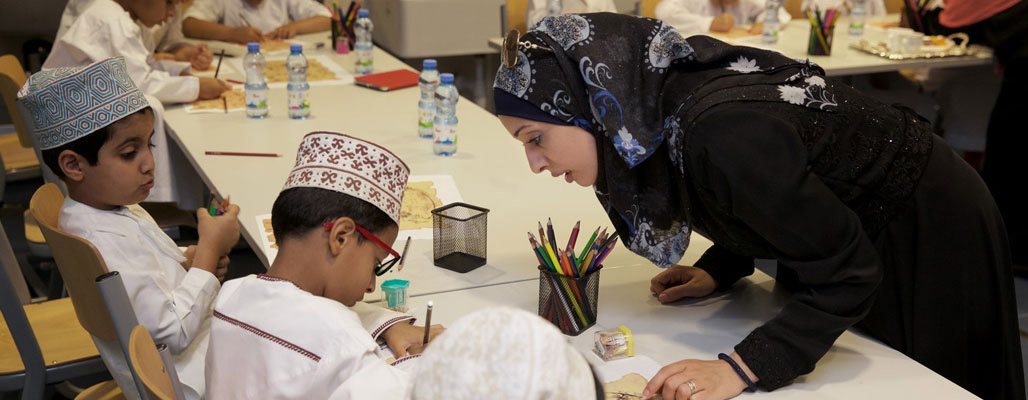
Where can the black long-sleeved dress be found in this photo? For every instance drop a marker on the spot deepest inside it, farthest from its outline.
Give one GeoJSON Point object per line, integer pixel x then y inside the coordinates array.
{"type": "Point", "coordinates": [875, 223]}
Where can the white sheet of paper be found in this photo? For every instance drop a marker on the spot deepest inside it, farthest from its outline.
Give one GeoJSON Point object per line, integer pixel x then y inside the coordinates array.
{"type": "Point", "coordinates": [609, 371]}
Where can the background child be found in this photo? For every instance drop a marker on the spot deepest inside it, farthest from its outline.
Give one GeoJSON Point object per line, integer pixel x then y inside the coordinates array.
{"type": "Point", "coordinates": [539, 8]}
{"type": "Point", "coordinates": [301, 331]}
{"type": "Point", "coordinates": [243, 21]}
{"type": "Point", "coordinates": [696, 17]}
{"type": "Point", "coordinates": [94, 127]}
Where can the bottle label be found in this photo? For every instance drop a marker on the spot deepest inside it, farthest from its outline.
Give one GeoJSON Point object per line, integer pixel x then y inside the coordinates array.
{"type": "Point", "coordinates": [298, 100]}
{"type": "Point", "coordinates": [257, 99]}
{"type": "Point", "coordinates": [425, 118]}
{"type": "Point", "coordinates": [444, 134]}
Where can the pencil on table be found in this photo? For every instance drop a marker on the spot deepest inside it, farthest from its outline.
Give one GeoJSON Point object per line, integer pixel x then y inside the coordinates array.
{"type": "Point", "coordinates": [221, 56]}
{"type": "Point", "coordinates": [224, 103]}
{"type": "Point", "coordinates": [428, 321]}
{"type": "Point", "coordinates": [237, 153]}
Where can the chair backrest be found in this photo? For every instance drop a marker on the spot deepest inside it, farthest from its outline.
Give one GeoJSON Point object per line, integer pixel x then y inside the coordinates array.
{"type": "Point", "coordinates": [18, 323]}
{"type": "Point", "coordinates": [647, 8]}
{"type": "Point", "coordinates": [149, 365]}
{"type": "Point", "coordinates": [12, 271]}
{"type": "Point", "coordinates": [516, 10]}
{"type": "Point", "coordinates": [12, 78]}
{"type": "Point", "coordinates": [79, 262]}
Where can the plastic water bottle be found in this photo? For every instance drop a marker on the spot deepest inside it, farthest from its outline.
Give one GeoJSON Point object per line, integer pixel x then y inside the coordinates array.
{"type": "Point", "coordinates": [299, 90]}
{"type": "Point", "coordinates": [428, 82]}
{"type": "Point", "coordinates": [554, 7]}
{"type": "Point", "coordinates": [256, 86]}
{"type": "Point", "coordinates": [857, 15]}
{"type": "Point", "coordinates": [444, 126]}
{"type": "Point", "coordinates": [362, 46]}
{"type": "Point", "coordinates": [770, 35]}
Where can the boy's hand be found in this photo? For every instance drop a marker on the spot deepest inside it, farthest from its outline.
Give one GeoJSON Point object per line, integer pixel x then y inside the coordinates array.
{"type": "Point", "coordinates": [245, 34]}
{"type": "Point", "coordinates": [219, 272]}
{"type": "Point", "coordinates": [217, 236]}
{"type": "Point", "coordinates": [164, 57]}
{"type": "Point", "coordinates": [211, 88]}
{"type": "Point", "coordinates": [222, 268]}
{"type": "Point", "coordinates": [282, 32]}
{"type": "Point", "coordinates": [722, 23]}
{"type": "Point", "coordinates": [406, 338]}
{"type": "Point", "coordinates": [199, 57]}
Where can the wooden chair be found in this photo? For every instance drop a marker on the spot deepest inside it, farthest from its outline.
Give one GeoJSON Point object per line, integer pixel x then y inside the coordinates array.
{"type": "Point", "coordinates": [106, 390]}
{"type": "Point", "coordinates": [154, 366]}
{"type": "Point", "coordinates": [101, 303]}
{"type": "Point", "coordinates": [515, 15]}
{"type": "Point", "coordinates": [21, 159]}
{"type": "Point", "coordinates": [41, 343]}
{"type": "Point", "coordinates": [647, 8]}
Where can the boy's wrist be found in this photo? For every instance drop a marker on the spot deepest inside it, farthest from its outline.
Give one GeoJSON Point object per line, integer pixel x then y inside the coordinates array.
{"type": "Point", "coordinates": [205, 259]}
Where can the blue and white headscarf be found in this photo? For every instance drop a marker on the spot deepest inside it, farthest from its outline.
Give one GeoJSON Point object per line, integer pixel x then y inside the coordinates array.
{"type": "Point", "coordinates": [637, 85]}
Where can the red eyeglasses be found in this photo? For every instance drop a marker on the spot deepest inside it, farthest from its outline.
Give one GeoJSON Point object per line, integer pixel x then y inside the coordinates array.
{"type": "Point", "coordinates": [387, 263]}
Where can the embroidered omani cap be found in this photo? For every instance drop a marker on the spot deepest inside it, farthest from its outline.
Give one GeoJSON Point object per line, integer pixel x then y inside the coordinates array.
{"type": "Point", "coordinates": [62, 105]}
{"type": "Point", "coordinates": [352, 166]}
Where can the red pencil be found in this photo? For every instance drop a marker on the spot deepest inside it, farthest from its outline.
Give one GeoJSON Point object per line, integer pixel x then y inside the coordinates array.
{"type": "Point", "coordinates": [234, 81]}
{"type": "Point", "coordinates": [234, 153]}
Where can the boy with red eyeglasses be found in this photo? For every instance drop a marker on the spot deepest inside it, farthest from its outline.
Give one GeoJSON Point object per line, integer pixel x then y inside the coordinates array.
{"type": "Point", "coordinates": [301, 331]}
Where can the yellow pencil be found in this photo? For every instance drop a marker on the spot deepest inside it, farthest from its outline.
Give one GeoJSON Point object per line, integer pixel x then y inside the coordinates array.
{"type": "Point", "coordinates": [553, 257]}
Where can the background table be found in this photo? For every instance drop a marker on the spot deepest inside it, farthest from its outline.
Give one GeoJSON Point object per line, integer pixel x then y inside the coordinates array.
{"type": "Point", "coordinates": [792, 42]}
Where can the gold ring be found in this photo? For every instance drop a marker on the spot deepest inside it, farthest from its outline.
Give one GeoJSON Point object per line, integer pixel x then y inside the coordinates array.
{"type": "Point", "coordinates": [692, 386]}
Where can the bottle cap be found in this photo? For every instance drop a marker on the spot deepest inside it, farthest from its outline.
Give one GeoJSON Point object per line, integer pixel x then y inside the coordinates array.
{"type": "Point", "coordinates": [296, 48]}
{"type": "Point", "coordinates": [362, 12]}
{"type": "Point", "coordinates": [428, 64]}
{"type": "Point", "coordinates": [253, 47]}
{"type": "Point", "coordinates": [446, 78]}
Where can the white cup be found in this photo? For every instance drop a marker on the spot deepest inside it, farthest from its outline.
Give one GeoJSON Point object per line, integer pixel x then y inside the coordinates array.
{"type": "Point", "coordinates": [895, 41]}
{"type": "Point", "coordinates": [911, 42]}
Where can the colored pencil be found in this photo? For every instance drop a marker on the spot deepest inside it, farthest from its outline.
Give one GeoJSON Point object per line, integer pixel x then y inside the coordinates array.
{"type": "Point", "coordinates": [236, 153]}
{"type": "Point", "coordinates": [235, 81]}
{"type": "Point", "coordinates": [224, 103]}
{"type": "Point", "coordinates": [221, 56]}
{"type": "Point", "coordinates": [573, 238]}
{"type": "Point", "coordinates": [588, 245]}
{"type": "Point", "coordinates": [428, 321]}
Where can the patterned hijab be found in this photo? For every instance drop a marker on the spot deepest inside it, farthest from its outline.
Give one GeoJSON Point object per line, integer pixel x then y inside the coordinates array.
{"type": "Point", "coordinates": [635, 83]}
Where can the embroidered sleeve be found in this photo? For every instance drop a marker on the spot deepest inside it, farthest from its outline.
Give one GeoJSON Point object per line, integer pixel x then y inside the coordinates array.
{"type": "Point", "coordinates": [377, 319]}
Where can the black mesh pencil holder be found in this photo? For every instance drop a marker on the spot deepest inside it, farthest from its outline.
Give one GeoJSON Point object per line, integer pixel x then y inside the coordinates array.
{"type": "Point", "coordinates": [568, 302]}
{"type": "Point", "coordinates": [459, 236]}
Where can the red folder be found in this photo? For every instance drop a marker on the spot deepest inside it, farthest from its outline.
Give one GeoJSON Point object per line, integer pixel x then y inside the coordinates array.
{"type": "Point", "coordinates": [389, 80]}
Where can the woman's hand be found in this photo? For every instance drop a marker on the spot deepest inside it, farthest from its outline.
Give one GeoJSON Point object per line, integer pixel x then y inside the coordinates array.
{"type": "Point", "coordinates": [681, 281]}
{"type": "Point", "coordinates": [710, 380]}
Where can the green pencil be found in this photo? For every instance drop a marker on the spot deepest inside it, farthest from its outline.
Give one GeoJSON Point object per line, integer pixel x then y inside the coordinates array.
{"type": "Point", "coordinates": [588, 245]}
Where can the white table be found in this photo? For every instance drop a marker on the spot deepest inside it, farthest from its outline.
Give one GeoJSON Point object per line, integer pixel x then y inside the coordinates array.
{"type": "Point", "coordinates": [857, 367]}
{"type": "Point", "coordinates": [792, 42]}
{"type": "Point", "coordinates": [489, 168]}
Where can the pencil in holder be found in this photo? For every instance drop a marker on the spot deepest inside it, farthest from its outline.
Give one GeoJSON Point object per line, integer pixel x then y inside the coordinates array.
{"type": "Point", "coordinates": [569, 302]}
{"type": "Point", "coordinates": [820, 42]}
{"type": "Point", "coordinates": [459, 236]}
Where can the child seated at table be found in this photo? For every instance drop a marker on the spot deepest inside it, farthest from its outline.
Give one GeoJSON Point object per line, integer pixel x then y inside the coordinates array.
{"type": "Point", "coordinates": [538, 9]}
{"type": "Point", "coordinates": [94, 128]}
{"type": "Point", "coordinates": [300, 331]}
{"type": "Point", "coordinates": [243, 21]}
{"type": "Point", "coordinates": [164, 39]}
{"type": "Point", "coordinates": [106, 29]}
{"type": "Point", "coordinates": [503, 353]}
{"type": "Point", "coordinates": [697, 17]}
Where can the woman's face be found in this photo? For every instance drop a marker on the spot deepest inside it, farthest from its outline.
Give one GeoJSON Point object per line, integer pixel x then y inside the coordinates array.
{"type": "Point", "coordinates": [565, 151]}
